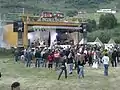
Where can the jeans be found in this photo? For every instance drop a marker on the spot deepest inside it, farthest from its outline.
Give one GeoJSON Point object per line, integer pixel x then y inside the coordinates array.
{"type": "Point", "coordinates": [81, 71]}
{"type": "Point", "coordinates": [106, 69]}
{"type": "Point", "coordinates": [70, 67]}
{"type": "Point", "coordinates": [37, 62]}
{"type": "Point", "coordinates": [42, 62]}
{"type": "Point", "coordinates": [28, 63]}
{"type": "Point", "coordinates": [45, 63]}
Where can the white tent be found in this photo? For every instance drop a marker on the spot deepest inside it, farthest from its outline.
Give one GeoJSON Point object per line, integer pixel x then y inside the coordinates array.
{"type": "Point", "coordinates": [111, 41]}
{"type": "Point", "coordinates": [97, 41]}
{"type": "Point", "coordinates": [82, 41]}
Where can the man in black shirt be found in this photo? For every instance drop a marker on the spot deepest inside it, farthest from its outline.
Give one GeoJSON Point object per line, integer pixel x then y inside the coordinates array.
{"type": "Point", "coordinates": [63, 67]}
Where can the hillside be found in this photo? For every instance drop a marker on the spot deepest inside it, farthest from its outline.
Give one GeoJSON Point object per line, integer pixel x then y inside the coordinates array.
{"type": "Point", "coordinates": [35, 6]}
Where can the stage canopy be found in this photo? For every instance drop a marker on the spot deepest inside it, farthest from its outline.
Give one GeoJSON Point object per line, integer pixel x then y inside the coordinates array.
{"type": "Point", "coordinates": [98, 41]}
{"type": "Point", "coordinates": [111, 41]}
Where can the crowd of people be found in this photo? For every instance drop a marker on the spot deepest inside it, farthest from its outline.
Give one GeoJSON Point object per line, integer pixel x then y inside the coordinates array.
{"type": "Point", "coordinates": [70, 58]}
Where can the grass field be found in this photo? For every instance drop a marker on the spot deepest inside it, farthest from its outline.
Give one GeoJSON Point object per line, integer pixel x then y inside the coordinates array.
{"type": "Point", "coordinates": [43, 79]}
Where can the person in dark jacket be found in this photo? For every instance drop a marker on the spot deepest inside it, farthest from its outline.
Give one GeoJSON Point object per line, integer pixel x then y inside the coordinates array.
{"type": "Point", "coordinates": [114, 61]}
{"type": "Point", "coordinates": [90, 58]}
{"type": "Point", "coordinates": [45, 57]}
{"type": "Point", "coordinates": [38, 58]}
{"type": "Point", "coordinates": [118, 55]}
{"type": "Point", "coordinates": [63, 67]}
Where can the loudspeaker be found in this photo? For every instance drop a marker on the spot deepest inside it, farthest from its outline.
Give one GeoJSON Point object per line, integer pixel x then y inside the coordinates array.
{"type": "Point", "coordinates": [18, 26]}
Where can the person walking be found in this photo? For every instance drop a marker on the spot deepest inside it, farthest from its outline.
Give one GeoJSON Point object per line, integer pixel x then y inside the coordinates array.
{"type": "Point", "coordinates": [63, 67]}
{"type": "Point", "coordinates": [105, 61]}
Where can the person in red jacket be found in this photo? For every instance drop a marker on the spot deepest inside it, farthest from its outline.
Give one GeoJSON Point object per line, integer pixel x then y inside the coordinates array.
{"type": "Point", "coordinates": [50, 61]}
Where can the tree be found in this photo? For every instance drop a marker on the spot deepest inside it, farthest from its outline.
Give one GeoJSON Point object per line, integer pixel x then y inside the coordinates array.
{"type": "Point", "coordinates": [108, 21]}
{"type": "Point", "coordinates": [91, 25]}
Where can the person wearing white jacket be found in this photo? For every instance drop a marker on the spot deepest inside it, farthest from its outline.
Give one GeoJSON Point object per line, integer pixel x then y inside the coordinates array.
{"type": "Point", "coordinates": [105, 61]}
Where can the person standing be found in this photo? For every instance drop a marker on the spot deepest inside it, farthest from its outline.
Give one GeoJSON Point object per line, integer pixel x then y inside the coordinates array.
{"type": "Point", "coordinates": [70, 63]}
{"type": "Point", "coordinates": [90, 59]}
{"type": "Point", "coordinates": [105, 61]}
{"type": "Point", "coordinates": [63, 67]}
{"type": "Point", "coordinates": [81, 62]}
{"type": "Point", "coordinates": [50, 61]}
{"type": "Point", "coordinates": [29, 58]}
{"type": "Point", "coordinates": [114, 56]}
{"type": "Point", "coordinates": [37, 58]}
{"type": "Point", "coordinates": [16, 55]}
{"type": "Point", "coordinates": [56, 59]}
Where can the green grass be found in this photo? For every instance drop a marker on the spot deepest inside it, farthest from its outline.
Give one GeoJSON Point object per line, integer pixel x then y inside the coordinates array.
{"type": "Point", "coordinates": [43, 79]}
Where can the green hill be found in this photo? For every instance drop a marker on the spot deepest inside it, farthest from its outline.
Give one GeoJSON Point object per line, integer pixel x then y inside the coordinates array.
{"type": "Point", "coordinates": [35, 6]}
